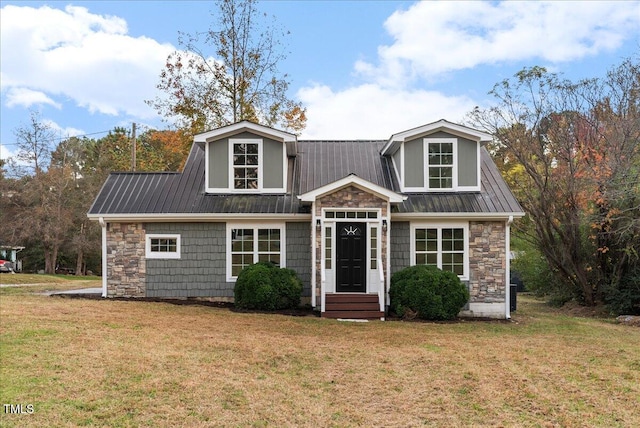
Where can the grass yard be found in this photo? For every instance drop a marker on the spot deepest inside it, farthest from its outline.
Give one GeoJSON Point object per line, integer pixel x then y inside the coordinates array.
{"type": "Point", "coordinates": [118, 363]}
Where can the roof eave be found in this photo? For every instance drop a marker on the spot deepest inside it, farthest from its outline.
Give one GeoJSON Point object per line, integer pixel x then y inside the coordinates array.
{"type": "Point", "coordinates": [441, 125]}
{"type": "Point", "coordinates": [352, 180]}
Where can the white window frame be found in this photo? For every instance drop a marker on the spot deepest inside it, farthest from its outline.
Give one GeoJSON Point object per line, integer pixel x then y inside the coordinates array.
{"type": "Point", "coordinates": [162, 254]}
{"type": "Point", "coordinates": [454, 166]}
{"type": "Point", "coordinates": [260, 166]}
{"type": "Point", "coordinates": [439, 226]}
{"type": "Point", "coordinates": [255, 227]}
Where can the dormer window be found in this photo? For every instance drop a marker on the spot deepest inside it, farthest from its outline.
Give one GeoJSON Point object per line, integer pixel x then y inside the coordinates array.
{"type": "Point", "coordinates": [246, 164]}
{"type": "Point", "coordinates": [440, 165]}
{"type": "Point", "coordinates": [437, 157]}
{"type": "Point", "coordinates": [247, 158]}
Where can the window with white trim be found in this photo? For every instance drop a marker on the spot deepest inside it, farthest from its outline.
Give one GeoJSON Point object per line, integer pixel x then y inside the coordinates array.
{"type": "Point", "coordinates": [246, 164]}
{"type": "Point", "coordinates": [443, 246]}
{"type": "Point", "coordinates": [162, 246]}
{"type": "Point", "coordinates": [328, 245]}
{"type": "Point", "coordinates": [252, 244]}
{"type": "Point", "coordinates": [440, 165]}
{"type": "Point", "coordinates": [373, 248]}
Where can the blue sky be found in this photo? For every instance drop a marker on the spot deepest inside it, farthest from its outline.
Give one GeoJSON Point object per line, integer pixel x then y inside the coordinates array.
{"type": "Point", "coordinates": [364, 69]}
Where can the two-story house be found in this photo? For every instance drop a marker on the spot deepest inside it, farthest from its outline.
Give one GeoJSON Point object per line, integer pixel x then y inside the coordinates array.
{"type": "Point", "coordinates": [345, 215]}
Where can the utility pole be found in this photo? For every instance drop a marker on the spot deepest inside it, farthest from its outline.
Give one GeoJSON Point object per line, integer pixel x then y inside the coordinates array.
{"type": "Point", "coordinates": [133, 147]}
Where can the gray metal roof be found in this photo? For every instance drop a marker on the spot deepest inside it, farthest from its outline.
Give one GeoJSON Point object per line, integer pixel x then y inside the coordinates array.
{"type": "Point", "coordinates": [318, 163]}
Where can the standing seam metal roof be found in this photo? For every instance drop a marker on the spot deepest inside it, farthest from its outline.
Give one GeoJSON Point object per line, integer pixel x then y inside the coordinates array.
{"type": "Point", "coordinates": [318, 163]}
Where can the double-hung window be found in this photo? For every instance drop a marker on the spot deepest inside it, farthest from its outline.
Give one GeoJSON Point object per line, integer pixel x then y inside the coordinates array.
{"type": "Point", "coordinates": [443, 246]}
{"type": "Point", "coordinates": [440, 158]}
{"type": "Point", "coordinates": [162, 246]}
{"type": "Point", "coordinates": [248, 244]}
{"type": "Point", "coordinates": [246, 164]}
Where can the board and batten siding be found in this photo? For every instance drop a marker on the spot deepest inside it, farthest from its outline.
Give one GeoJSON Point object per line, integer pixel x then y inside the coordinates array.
{"type": "Point", "coordinates": [467, 162]}
{"type": "Point", "coordinates": [415, 160]}
{"type": "Point", "coordinates": [414, 163]}
{"type": "Point", "coordinates": [272, 162]}
{"type": "Point", "coordinates": [201, 269]}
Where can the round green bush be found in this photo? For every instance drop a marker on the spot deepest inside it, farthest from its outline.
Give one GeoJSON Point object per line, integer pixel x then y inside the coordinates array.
{"type": "Point", "coordinates": [427, 292]}
{"type": "Point", "coordinates": [265, 286]}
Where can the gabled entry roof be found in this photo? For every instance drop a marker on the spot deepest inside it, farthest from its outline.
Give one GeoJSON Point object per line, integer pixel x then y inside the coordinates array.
{"type": "Point", "coordinates": [353, 180]}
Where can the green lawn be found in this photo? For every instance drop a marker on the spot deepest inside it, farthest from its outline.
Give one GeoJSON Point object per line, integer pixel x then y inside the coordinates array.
{"type": "Point", "coordinates": [120, 363]}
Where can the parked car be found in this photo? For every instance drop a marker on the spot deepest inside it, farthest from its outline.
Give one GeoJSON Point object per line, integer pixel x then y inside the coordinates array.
{"type": "Point", "coordinates": [6, 266]}
{"type": "Point", "coordinates": [65, 271]}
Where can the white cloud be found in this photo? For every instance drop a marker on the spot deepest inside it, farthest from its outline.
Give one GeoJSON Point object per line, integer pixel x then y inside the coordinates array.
{"type": "Point", "coordinates": [370, 111]}
{"type": "Point", "coordinates": [434, 38]}
{"type": "Point", "coordinates": [26, 98]}
{"type": "Point", "coordinates": [6, 152]}
{"type": "Point", "coordinates": [437, 37]}
{"type": "Point", "coordinates": [62, 133]}
{"type": "Point", "coordinates": [75, 54]}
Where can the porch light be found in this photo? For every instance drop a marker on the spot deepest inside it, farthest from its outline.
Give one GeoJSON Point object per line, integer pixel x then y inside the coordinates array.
{"type": "Point", "coordinates": [318, 224]}
{"type": "Point", "coordinates": [384, 224]}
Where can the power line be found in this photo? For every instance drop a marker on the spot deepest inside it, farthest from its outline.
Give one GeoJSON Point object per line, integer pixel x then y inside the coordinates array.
{"type": "Point", "coordinates": [64, 138]}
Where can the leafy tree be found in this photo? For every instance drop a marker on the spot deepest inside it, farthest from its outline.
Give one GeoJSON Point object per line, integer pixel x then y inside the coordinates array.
{"type": "Point", "coordinates": [227, 74]}
{"type": "Point", "coordinates": [571, 152]}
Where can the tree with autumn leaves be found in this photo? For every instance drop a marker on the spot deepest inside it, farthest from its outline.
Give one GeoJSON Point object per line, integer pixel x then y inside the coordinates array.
{"type": "Point", "coordinates": [571, 152]}
{"type": "Point", "coordinates": [228, 74]}
{"type": "Point", "coordinates": [46, 192]}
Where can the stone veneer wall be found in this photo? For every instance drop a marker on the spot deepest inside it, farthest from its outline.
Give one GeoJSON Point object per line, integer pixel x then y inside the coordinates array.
{"type": "Point", "coordinates": [349, 197]}
{"type": "Point", "coordinates": [487, 261]}
{"type": "Point", "coordinates": [126, 267]}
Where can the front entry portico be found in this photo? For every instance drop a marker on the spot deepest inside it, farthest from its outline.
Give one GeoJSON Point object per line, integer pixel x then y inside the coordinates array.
{"type": "Point", "coordinates": [350, 243]}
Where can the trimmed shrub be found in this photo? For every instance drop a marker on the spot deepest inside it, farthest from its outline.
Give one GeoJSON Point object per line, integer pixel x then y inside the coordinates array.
{"type": "Point", "coordinates": [427, 292]}
{"type": "Point", "coordinates": [265, 286]}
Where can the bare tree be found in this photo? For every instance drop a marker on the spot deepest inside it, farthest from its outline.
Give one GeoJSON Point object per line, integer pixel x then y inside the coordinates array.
{"type": "Point", "coordinates": [227, 74]}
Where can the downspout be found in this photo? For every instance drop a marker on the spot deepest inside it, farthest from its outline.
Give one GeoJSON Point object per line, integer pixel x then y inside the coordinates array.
{"type": "Point", "coordinates": [387, 279]}
{"type": "Point", "coordinates": [103, 225]}
{"type": "Point", "coordinates": [507, 274]}
{"type": "Point", "coordinates": [313, 255]}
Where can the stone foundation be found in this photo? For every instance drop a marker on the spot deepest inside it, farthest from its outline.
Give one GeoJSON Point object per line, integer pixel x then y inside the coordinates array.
{"type": "Point", "coordinates": [487, 262]}
{"type": "Point", "coordinates": [126, 267]}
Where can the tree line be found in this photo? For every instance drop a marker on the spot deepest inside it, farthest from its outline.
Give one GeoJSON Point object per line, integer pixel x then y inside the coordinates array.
{"type": "Point", "coordinates": [571, 153]}
{"type": "Point", "coordinates": [47, 189]}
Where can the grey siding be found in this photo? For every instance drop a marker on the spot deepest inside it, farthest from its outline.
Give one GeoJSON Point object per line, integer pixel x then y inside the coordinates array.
{"type": "Point", "coordinates": [273, 152]}
{"type": "Point", "coordinates": [299, 253]}
{"type": "Point", "coordinates": [400, 246]}
{"type": "Point", "coordinates": [200, 272]}
{"type": "Point", "coordinates": [414, 163]}
{"type": "Point", "coordinates": [219, 164]}
{"type": "Point", "coordinates": [397, 160]}
{"type": "Point", "coordinates": [272, 162]}
{"type": "Point", "coordinates": [467, 162]}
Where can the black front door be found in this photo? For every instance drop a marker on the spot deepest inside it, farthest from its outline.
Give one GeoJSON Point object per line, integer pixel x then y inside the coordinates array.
{"type": "Point", "coordinates": [351, 253]}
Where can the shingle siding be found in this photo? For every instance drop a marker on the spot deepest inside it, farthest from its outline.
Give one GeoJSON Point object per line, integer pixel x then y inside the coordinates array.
{"type": "Point", "coordinates": [201, 270]}
{"type": "Point", "coordinates": [299, 253]}
{"type": "Point", "coordinates": [400, 254]}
